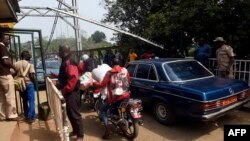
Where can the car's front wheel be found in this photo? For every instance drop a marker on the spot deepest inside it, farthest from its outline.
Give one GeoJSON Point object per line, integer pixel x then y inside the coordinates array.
{"type": "Point", "coordinates": [163, 113]}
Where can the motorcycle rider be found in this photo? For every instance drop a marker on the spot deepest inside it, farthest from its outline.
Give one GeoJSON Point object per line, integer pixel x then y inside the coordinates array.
{"type": "Point", "coordinates": [117, 81]}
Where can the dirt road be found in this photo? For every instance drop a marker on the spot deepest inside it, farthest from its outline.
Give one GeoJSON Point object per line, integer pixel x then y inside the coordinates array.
{"type": "Point", "coordinates": [184, 130]}
{"type": "Point", "coordinates": [154, 131]}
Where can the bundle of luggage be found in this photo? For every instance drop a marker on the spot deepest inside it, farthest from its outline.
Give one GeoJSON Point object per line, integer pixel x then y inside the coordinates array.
{"type": "Point", "coordinates": [88, 78]}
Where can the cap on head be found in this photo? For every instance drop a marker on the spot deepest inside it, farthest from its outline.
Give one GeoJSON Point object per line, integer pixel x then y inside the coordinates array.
{"type": "Point", "coordinates": [85, 57]}
{"type": "Point", "coordinates": [219, 39]}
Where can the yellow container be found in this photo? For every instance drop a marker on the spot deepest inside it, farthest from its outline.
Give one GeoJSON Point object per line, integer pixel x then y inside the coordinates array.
{"type": "Point", "coordinates": [7, 25]}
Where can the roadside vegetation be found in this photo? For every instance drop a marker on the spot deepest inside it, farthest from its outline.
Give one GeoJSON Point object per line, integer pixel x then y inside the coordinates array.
{"type": "Point", "coordinates": [176, 22]}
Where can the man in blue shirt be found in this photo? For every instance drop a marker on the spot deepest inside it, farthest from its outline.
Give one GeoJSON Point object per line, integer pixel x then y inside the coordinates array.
{"type": "Point", "coordinates": [203, 52]}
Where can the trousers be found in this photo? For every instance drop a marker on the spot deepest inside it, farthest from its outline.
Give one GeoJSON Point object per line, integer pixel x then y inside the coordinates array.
{"type": "Point", "coordinates": [73, 111]}
{"type": "Point", "coordinates": [29, 101]}
{"type": "Point", "coordinates": [7, 97]}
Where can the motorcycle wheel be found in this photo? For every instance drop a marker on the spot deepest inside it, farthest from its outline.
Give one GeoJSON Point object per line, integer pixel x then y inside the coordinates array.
{"type": "Point", "coordinates": [89, 98]}
{"type": "Point", "coordinates": [132, 129]}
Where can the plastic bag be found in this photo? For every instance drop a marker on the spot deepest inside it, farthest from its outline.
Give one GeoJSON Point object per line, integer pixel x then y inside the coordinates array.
{"type": "Point", "coordinates": [86, 80]}
{"type": "Point", "coordinates": [99, 72]}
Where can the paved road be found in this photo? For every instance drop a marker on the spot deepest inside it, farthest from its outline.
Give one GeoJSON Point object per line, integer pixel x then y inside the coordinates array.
{"type": "Point", "coordinates": [184, 130]}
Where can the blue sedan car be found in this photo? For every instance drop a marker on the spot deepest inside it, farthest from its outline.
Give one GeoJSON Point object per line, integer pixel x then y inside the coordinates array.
{"type": "Point", "coordinates": [183, 87]}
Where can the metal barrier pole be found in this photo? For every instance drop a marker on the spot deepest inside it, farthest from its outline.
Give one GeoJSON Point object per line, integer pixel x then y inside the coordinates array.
{"type": "Point", "coordinates": [240, 69]}
{"type": "Point", "coordinates": [65, 123]}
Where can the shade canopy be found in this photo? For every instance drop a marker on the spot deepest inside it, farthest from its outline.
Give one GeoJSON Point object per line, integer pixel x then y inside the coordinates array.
{"type": "Point", "coordinates": [8, 9]}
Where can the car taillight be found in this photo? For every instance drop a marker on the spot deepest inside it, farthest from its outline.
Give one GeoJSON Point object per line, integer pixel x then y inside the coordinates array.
{"type": "Point", "coordinates": [210, 105]}
{"type": "Point", "coordinates": [219, 103]}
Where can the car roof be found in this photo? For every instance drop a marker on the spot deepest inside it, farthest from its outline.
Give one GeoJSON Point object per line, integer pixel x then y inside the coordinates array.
{"type": "Point", "coordinates": [51, 60]}
{"type": "Point", "coordinates": [159, 60]}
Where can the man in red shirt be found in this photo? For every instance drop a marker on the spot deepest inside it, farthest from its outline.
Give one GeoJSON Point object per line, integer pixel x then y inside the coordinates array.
{"type": "Point", "coordinates": [69, 85]}
{"type": "Point", "coordinates": [146, 55]}
{"type": "Point", "coordinates": [117, 81]}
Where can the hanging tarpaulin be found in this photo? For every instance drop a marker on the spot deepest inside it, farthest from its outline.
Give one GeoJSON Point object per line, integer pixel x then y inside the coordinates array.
{"type": "Point", "coordinates": [7, 25]}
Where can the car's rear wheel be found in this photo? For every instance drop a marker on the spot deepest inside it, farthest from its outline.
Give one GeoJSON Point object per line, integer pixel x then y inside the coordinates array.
{"type": "Point", "coordinates": [163, 113]}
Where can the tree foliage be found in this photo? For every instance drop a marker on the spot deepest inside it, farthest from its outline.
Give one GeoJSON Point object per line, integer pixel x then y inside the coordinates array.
{"type": "Point", "coordinates": [98, 36]}
{"type": "Point", "coordinates": [166, 20]}
{"type": "Point", "coordinates": [86, 43]}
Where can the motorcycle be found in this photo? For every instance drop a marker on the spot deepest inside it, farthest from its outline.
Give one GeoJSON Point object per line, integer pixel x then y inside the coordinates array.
{"type": "Point", "coordinates": [90, 96]}
{"type": "Point", "coordinates": [127, 119]}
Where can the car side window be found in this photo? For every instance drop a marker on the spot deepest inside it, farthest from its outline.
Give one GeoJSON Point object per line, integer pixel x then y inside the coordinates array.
{"type": "Point", "coordinates": [152, 75]}
{"type": "Point", "coordinates": [143, 71]}
{"type": "Point", "coordinates": [131, 69]}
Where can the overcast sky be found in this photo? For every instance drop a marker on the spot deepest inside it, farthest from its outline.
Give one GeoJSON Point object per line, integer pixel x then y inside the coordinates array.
{"type": "Point", "coordinates": [87, 8]}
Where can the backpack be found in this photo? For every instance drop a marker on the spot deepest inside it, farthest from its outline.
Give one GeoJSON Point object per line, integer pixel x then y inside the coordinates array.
{"type": "Point", "coordinates": [119, 82]}
{"type": "Point", "coordinates": [19, 81]}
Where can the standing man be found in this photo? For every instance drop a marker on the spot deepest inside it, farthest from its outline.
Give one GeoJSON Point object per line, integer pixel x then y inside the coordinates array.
{"type": "Point", "coordinates": [203, 52]}
{"type": "Point", "coordinates": [108, 57]}
{"type": "Point", "coordinates": [7, 87]}
{"type": "Point", "coordinates": [90, 63]}
{"type": "Point", "coordinates": [69, 85]}
{"type": "Point", "coordinates": [81, 65]}
{"type": "Point", "coordinates": [146, 55]}
{"type": "Point", "coordinates": [27, 95]}
{"type": "Point", "coordinates": [225, 58]}
{"type": "Point", "coordinates": [132, 56]}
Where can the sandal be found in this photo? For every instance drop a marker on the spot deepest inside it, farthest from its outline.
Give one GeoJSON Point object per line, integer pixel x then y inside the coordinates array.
{"type": "Point", "coordinates": [106, 136]}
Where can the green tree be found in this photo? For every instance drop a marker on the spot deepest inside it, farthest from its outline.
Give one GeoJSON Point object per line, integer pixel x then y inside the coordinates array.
{"type": "Point", "coordinates": [98, 36]}
{"type": "Point", "coordinates": [86, 43]}
{"type": "Point", "coordinates": [128, 15]}
{"type": "Point", "coordinates": [165, 21]}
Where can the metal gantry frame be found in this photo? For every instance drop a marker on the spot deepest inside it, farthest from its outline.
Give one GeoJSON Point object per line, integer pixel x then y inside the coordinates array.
{"type": "Point", "coordinates": [72, 11]}
{"type": "Point", "coordinates": [108, 27]}
{"type": "Point", "coordinates": [45, 12]}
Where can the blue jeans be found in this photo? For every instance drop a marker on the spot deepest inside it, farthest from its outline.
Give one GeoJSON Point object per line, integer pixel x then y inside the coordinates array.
{"type": "Point", "coordinates": [28, 97]}
{"type": "Point", "coordinates": [104, 112]}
